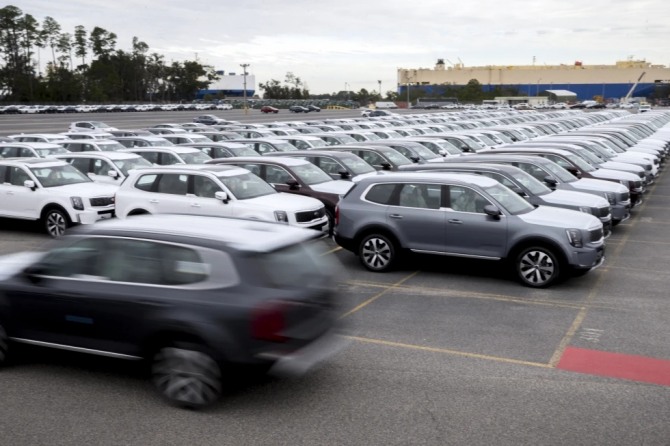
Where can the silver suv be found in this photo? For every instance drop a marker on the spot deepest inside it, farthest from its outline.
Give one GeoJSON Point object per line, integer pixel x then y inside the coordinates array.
{"type": "Point", "coordinates": [465, 216]}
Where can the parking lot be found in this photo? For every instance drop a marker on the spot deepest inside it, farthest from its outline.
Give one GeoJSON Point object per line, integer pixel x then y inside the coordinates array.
{"type": "Point", "coordinates": [442, 351]}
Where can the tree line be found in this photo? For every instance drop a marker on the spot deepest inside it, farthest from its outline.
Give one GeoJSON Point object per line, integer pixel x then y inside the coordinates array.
{"type": "Point", "coordinates": [86, 66]}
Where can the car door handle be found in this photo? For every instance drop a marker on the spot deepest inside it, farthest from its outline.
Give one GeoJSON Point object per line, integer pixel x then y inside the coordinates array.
{"type": "Point", "coordinates": [153, 201]}
{"type": "Point", "coordinates": [455, 221]}
{"type": "Point", "coordinates": [396, 216]}
{"type": "Point", "coordinates": [195, 205]}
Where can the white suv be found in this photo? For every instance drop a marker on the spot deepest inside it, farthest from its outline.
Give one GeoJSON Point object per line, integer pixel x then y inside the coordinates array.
{"type": "Point", "coordinates": [214, 190]}
{"type": "Point", "coordinates": [54, 192]}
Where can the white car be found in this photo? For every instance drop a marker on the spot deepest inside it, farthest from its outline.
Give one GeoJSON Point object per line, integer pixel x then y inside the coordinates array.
{"type": "Point", "coordinates": [90, 126]}
{"type": "Point", "coordinates": [30, 150]}
{"type": "Point", "coordinates": [162, 156]}
{"type": "Point", "coordinates": [40, 137]}
{"type": "Point", "coordinates": [214, 190]}
{"type": "Point", "coordinates": [53, 192]}
{"type": "Point", "coordinates": [105, 167]}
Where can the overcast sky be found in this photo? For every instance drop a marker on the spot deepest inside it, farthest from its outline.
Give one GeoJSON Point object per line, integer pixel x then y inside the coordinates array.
{"type": "Point", "coordinates": [332, 43]}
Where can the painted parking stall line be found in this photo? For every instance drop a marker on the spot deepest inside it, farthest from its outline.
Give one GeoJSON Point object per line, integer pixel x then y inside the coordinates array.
{"type": "Point", "coordinates": [616, 365]}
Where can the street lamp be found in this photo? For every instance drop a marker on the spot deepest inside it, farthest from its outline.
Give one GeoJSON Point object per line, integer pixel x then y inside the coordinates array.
{"type": "Point", "coordinates": [244, 92]}
{"type": "Point", "coordinates": [380, 90]}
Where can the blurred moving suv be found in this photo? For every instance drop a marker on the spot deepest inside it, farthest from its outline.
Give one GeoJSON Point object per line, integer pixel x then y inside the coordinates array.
{"type": "Point", "coordinates": [465, 216]}
{"type": "Point", "coordinates": [196, 297]}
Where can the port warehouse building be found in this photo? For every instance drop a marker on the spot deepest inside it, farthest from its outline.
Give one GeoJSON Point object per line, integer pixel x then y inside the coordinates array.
{"type": "Point", "coordinates": [611, 82]}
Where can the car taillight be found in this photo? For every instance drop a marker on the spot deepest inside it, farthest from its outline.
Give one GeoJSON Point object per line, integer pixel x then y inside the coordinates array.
{"type": "Point", "coordinates": [268, 321]}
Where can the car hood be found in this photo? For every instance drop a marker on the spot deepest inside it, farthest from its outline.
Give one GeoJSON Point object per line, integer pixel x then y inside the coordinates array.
{"type": "Point", "coordinates": [11, 264]}
{"type": "Point", "coordinates": [627, 167]}
{"type": "Point", "coordinates": [600, 185]}
{"type": "Point", "coordinates": [617, 175]}
{"type": "Point", "coordinates": [286, 202]}
{"type": "Point", "coordinates": [339, 187]}
{"type": "Point", "coordinates": [560, 218]}
{"type": "Point", "coordinates": [572, 198]}
{"type": "Point", "coordinates": [88, 189]}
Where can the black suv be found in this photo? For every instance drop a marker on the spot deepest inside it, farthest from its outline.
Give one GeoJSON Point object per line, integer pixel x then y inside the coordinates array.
{"type": "Point", "coordinates": [192, 295]}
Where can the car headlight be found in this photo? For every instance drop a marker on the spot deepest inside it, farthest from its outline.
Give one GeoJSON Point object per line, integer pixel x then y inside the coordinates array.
{"type": "Point", "coordinates": [611, 197]}
{"type": "Point", "coordinates": [281, 216]}
{"type": "Point", "coordinates": [575, 237]}
{"type": "Point", "coordinates": [585, 209]}
{"type": "Point", "coordinates": [77, 203]}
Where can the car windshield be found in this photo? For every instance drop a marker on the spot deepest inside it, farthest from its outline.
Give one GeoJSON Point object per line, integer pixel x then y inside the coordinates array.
{"type": "Point", "coordinates": [580, 163]}
{"type": "Point", "coordinates": [535, 186]}
{"type": "Point", "coordinates": [356, 165]}
{"type": "Point", "coordinates": [558, 172]}
{"type": "Point", "coordinates": [509, 200]}
{"type": "Point", "coordinates": [243, 151]}
{"type": "Point", "coordinates": [51, 151]}
{"type": "Point", "coordinates": [110, 146]}
{"type": "Point", "coordinates": [317, 143]}
{"type": "Point", "coordinates": [159, 142]}
{"type": "Point", "coordinates": [53, 176]}
{"type": "Point", "coordinates": [396, 157]}
{"type": "Point", "coordinates": [246, 186]}
{"type": "Point", "coordinates": [310, 174]}
{"type": "Point", "coordinates": [99, 125]}
{"type": "Point", "coordinates": [424, 152]}
{"type": "Point", "coordinates": [132, 163]}
{"type": "Point", "coordinates": [284, 146]}
{"type": "Point", "coordinates": [195, 157]}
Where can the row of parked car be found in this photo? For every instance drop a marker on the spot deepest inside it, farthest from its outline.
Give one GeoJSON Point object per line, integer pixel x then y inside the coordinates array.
{"type": "Point", "coordinates": [562, 181]}
{"type": "Point", "coordinates": [201, 295]}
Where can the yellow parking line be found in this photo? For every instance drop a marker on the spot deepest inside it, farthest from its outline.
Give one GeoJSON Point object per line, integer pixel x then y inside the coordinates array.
{"type": "Point", "coordinates": [378, 295]}
{"type": "Point", "coordinates": [450, 352]}
{"type": "Point", "coordinates": [338, 248]}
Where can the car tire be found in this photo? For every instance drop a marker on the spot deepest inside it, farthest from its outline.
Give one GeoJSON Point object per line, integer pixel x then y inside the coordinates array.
{"type": "Point", "coordinates": [55, 222]}
{"type": "Point", "coordinates": [377, 252]}
{"type": "Point", "coordinates": [186, 375]}
{"type": "Point", "coordinates": [537, 266]}
{"type": "Point", "coordinates": [331, 222]}
{"type": "Point", "coordinates": [4, 346]}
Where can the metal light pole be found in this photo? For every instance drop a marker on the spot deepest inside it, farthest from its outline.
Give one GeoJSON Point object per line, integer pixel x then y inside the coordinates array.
{"type": "Point", "coordinates": [380, 90]}
{"type": "Point", "coordinates": [244, 92]}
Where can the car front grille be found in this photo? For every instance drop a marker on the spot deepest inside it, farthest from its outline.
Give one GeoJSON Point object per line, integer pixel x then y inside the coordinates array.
{"type": "Point", "coordinates": [307, 216]}
{"type": "Point", "coordinates": [102, 201]}
{"type": "Point", "coordinates": [595, 234]}
{"type": "Point", "coordinates": [603, 212]}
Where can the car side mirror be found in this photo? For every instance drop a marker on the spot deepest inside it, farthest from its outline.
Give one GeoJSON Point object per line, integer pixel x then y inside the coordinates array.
{"type": "Point", "coordinates": [30, 184]}
{"type": "Point", "coordinates": [492, 211]}
{"type": "Point", "coordinates": [344, 174]}
{"type": "Point", "coordinates": [220, 195]}
{"type": "Point", "coordinates": [518, 191]}
{"type": "Point", "coordinates": [551, 181]}
{"type": "Point", "coordinates": [386, 166]}
{"type": "Point", "coordinates": [415, 159]}
{"type": "Point", "coordinates": [293, 184]}
{"type": "Point", "coordinates": [113, 174]}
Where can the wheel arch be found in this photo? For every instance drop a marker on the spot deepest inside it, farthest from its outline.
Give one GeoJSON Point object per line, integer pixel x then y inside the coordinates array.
{"type": "Point", "coordinates": [57, 206]}
{"type": "Point", "coordinates": [543, 242]}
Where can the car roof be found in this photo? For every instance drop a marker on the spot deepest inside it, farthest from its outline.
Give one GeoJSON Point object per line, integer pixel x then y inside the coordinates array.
{"type": "Point", "coordinates": [97, 154]}
{"type": "Point", "coordinates": [44, 162]}
{"type": "Point", "coordinates": [462, 178]}
{"type": "Point", "coordinates": [173, 149]}
{"type": "Point", "coordinates": [214, 168]}
{"type": "Point", "coordinates": [34, 145]}
{"type": "Point", "coordinates": [283, 160]}
{"type": "Point", "coordinates": [246, 235]}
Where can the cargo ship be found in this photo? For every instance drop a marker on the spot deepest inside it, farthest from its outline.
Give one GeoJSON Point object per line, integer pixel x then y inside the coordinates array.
{"type": "Point", "coordinates": [607, 82]}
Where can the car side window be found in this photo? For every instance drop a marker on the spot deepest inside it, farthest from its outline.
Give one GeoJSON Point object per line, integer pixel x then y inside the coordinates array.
{"type": "Point", "coordinates": [381, 194]}
{"type": "Point", "coordinates": [8, 152]}
{"type": "Point", "coordinates": [77, 260]}
{"type": "Point", "coordinates": [3, 174]}
{"type": "Point", "coordinates": [276, 175]}
{"type": "Point", "coordinates": [204, 187]}
{"type": "Point", "coordinates": [141, 261]}
{"type": "Point", "coordinates": [372, 158]}
{"type": "Point", "coordinates": [464, 199]}
{"type": "Point", "coordinates": [330, 166]}
{"type": "Point", "coordinates": [26, 152]}
{"type": "Point", "coordinates": [152, 157]}
{"type": "Point", "coordinates": [173, 183]}
{"type": "Point", "coordinates": [531, 170]}
{"type": "Point", "coordinates": [264, 148]}
{"type": "Point", "coordinates": [499, 178]}
{"type": "Point", "coordinates": [301, 145]}
{"type": "Point", "coordinates": [168, 159]}
{"type": "Point", "coordinates": [80, 164]}
{"type": "Point", "coordinates": [17, 176]}
{"type": "Point", "coordinates": [146, 182]}
{"type": "Point", "coordinates": [101, 167]}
